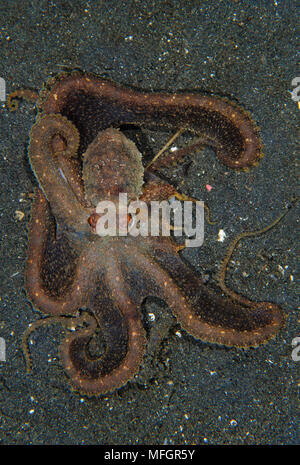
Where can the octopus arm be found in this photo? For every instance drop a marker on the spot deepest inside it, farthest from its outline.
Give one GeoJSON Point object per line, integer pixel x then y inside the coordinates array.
{"type": "Point", "coordinates": [120, 327]}
{"type": "Point", "coordinates": [52, 264]}
{"type": "Point", "coordinates": [203, 312]}
{"type": "Point", "coordinates": [93, 104]}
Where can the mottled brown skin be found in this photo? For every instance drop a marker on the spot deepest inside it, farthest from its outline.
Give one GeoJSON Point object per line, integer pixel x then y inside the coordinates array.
{"type": "Point", "coordinates": [79, 159]}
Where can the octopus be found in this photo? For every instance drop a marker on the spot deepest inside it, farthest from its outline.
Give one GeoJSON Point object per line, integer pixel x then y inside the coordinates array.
{"type": "Point", "coordinates": [81, 156]}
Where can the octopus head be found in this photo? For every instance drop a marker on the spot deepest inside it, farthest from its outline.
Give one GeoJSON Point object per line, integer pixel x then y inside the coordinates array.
{"type": "Point", "coordinates": [112, 165]}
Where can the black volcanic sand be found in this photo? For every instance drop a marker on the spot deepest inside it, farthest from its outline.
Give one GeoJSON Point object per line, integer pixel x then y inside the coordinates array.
{"type": "Point", "coordinates": [187, 392]}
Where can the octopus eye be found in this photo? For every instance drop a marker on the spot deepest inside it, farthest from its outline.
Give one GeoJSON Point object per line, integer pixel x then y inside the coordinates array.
{"type": "Point", "coordinates": [93, 219]}
{"type": "Point", "coordinates": [131, 221]}
{"type": "Point", "coordinates": [129, 218]}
